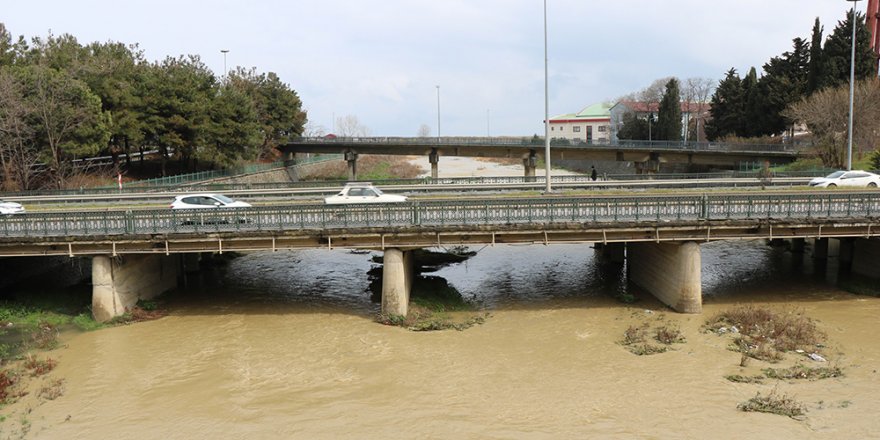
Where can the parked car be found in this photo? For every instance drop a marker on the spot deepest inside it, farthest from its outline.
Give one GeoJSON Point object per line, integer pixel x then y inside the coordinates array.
{"type": "Point", "coordinates": [363, 192]}
{"type": "Point", "coordinates": [203, 201]}
{"type": "Point", "coordinates": [847, 178]}
{"type": "Point", "coordinates": [11, 208]}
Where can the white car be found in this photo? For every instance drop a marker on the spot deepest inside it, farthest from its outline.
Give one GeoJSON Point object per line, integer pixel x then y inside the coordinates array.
{"type": "Point", "coordinates": [204, 201]}
{"type": "Point", "coordinates": [847, 178]}
{"type": "Point", "coordinates": [362, 193]}
{"type": "Point", "coordinates": [11, 208]}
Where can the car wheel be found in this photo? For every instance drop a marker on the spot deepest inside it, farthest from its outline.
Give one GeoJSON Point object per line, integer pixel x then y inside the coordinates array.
{"type": "Point", "coordinates": [831, 185]}
{"type": "Point", "coordinates": [872, 185]}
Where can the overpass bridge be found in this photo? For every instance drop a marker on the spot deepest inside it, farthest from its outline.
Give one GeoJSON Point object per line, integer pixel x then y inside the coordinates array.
{"type": "Point", "coordinates": [647, 155]}
{"type": "Point", "coordinates": [139, 254]}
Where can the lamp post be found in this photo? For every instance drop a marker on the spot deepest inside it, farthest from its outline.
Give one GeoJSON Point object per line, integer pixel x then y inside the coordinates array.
{"type": "Point", "coordinates": [548, 188]}
{"type": "Point", "coordinates": [224, 51]}
{"type": "Point", "coordinates": [438, 115]}
{"type": "Point", "coordinates": [852, 77]}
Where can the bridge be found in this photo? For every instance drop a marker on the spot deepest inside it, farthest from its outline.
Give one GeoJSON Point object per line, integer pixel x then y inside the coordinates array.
{"type": "Point", "coordinates": [140, 253]}
{"type": "Point", "coordinates": [647, 155]}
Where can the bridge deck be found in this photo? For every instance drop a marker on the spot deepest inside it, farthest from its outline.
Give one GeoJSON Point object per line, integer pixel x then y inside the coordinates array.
{"type": "Point", "coordinates": [431, 223]}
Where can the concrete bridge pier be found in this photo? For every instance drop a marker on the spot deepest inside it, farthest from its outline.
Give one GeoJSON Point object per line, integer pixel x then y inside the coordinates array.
{"type": "Point", "coordinates": [820, 248]}
{"type": "Point", "coordinates": [351, 157]}
{"type": "Point", "coordinates": [670, 271]}
{"type": "Point", "coordinates": [119, 282]}
{"type": "Point", "coordinates": [434, 159]}
{"type": "Point", "coordinates": [866, 257]}
{"type": "Point", "coordinates": [530, 164]}
{"type": "Point", "coordinates": [290, 167]}
{"type": "Point", "coordinates": [798, 245]}
{"type": "Point", "coordinates": [611, 252]}
{"type": "Point", "coordinates": [397, 278]}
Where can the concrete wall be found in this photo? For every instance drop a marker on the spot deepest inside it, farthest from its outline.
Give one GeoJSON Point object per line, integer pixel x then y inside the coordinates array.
{"type": "Point", "coordinates": [670, 271]}
{"type": "Point", "coordinates": [119, 282]}
{"type": "Point", "coordinates": [866, 257]}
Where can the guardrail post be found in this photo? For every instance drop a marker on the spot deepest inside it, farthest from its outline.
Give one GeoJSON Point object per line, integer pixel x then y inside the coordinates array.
{"type": "Point", "coordinates": [129, 222]}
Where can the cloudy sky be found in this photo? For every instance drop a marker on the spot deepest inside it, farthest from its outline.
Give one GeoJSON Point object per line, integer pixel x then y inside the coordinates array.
{"type": "Point", "coordinates": [381, 60]}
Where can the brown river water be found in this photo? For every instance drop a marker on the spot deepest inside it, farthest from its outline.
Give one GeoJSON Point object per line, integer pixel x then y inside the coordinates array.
{"type": "Point", "coordinates": [283, 345]}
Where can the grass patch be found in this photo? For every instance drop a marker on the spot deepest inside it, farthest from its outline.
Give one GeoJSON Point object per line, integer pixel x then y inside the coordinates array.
{"type": "Point", "coordinates": [766, 335]}
{"type": "Point", "coordinates": [803, 372]}
{"type": "Point", "coordinates": [421, 319]}
{"type": "Point", "coordinates": [774, 403]}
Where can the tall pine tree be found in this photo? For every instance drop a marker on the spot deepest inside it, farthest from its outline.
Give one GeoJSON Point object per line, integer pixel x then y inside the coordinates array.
{"type": "Point", "coordinates": [727, 107]}
{"type": "Point", "coordinates": [837, 52]}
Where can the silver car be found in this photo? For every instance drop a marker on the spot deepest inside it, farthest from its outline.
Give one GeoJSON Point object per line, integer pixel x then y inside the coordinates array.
{"type": "Point", "coordinates": [362, 192]}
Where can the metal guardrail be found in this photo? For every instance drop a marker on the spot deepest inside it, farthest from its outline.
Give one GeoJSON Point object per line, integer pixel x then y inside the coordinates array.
{"type": "Point", "coordinates": [600, 210]}
{"type": "Point", "coordinates": [477, 180]}
{"type": "Point", "coordinates": [527, 142]}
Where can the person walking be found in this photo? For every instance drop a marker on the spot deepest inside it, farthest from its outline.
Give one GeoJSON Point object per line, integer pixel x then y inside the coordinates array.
{"type": "Point", "coordinates": [593, 174]}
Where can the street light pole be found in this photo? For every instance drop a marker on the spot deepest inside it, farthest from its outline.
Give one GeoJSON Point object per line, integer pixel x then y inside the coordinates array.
{"type": "Point", "coordinates": [224, 51]}
{"type": "Point", "coordinates": [438, 115]}
{"type": "Point", "coordinates": [852, 77]}
{"type": "Point", "coordinates": [548, 187]}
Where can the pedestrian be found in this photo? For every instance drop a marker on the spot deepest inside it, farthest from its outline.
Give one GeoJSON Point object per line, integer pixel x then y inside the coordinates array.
{"type": "Point", "coordinates": [593, 174]}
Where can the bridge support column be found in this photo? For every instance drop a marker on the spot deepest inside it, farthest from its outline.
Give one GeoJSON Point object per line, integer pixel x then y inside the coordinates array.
{"type": "Point", "coordinates": [119, 282]}
{"type": "Point", "coordinates": [670, 271]}
{"type": "Point", "coordinates": [530, 164]}
{"type": "Point", "coordinates": [820, 248]}
{"type": "Point", "coordinates": [797, 245]}
{"type": "Point", "coordinates": [434, 159]}
{"type": "Point", "coordinates": [611, 252]}
{"type": "Point", "coordinates": [866, 257]}
{"type": "Point", "coordinates": [191, 262]}
{"type": "Point", "coordinates": [397, 277]}
{"type": "Point", "coordinates": [290, 167]}
{"type": "Point", "coordinates": [845, 250]}
{"type": "Point", "coordinates": [351, 157]}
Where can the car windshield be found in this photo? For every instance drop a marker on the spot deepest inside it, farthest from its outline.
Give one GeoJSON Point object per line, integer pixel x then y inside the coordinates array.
{"type": "Point", "coordinates": [834, 175]}
{"type": "Point", "coordinates": [223, 198]}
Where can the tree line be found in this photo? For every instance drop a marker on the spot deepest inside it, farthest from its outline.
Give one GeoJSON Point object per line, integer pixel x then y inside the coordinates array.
{"type": "Point", "coordinates": [753, 106]}
{"type": "Point", "coordinates": [808, 85]}
{"type": "Point", "coordinates": [61, 100]}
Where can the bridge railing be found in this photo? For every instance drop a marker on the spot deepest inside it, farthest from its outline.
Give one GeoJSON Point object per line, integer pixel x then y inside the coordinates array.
{"type": "Point", "coordinates": [527, 142]}
{"type": "Point", "coordinates": [534, 211]}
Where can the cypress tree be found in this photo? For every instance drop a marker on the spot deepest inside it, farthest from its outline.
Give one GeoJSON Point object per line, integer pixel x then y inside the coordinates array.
{"type": "Point", "coordinates": [669, 117]}
{"type": "Point", "coordinates": [816, 70]}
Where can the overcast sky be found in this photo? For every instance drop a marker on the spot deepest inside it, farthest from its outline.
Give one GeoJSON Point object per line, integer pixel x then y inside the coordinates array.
{"type": "Point", "coordinates": [381, 60]}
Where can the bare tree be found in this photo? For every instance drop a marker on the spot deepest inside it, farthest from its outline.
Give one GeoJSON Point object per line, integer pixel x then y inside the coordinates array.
{"type": "Point", "coordinates": [314, 130]}
{"type": "Point", "coordinates": [695, 93]}
{"type": "Point", "coordinates": [424, 130]}
{"type": "Point", "coordinates": [350, 126]}
{"type": "Point", "coordinates": [825, 115]}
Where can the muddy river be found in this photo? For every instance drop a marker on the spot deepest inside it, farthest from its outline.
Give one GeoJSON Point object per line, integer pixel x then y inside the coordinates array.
{"type": "Point", "coordinates": [283, 345]}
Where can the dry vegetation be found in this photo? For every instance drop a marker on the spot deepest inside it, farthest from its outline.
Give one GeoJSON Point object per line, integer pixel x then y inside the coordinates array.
{"type": "Point", "coordinates": [370, 167]}
{"type": "Point", "coordinates": [763, 334]}
{"type": "Point", "coordinates": [636, 338]}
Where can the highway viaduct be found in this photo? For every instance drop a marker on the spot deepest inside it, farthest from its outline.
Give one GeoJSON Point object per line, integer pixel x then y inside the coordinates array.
{"type": "Point", "coordinates": [140, 254]}
{"type": "Point", "coordinates": [646, 155]}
